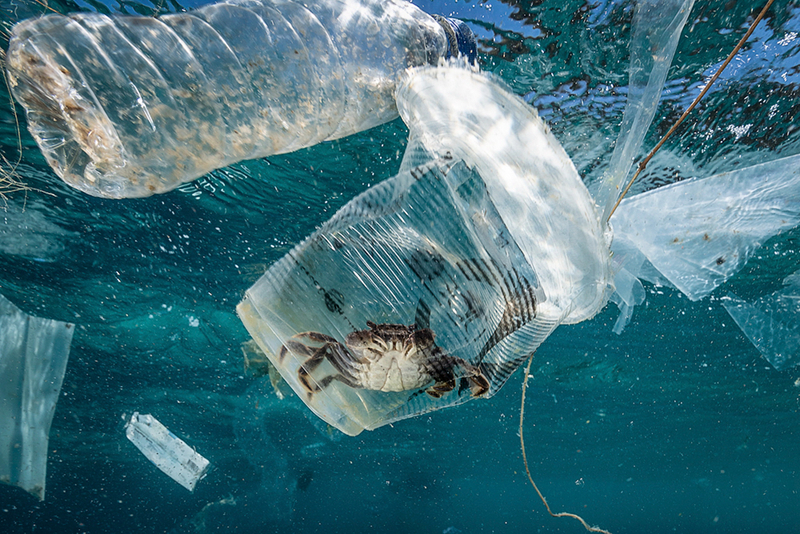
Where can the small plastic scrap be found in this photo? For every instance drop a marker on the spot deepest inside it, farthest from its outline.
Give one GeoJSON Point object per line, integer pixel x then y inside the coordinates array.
{"type": "Point", "coordinates": [771, 323]}
{"type": "Point", "coordinates": [168, 452]}
{"type": "Point", "coordinates": [33, 358]}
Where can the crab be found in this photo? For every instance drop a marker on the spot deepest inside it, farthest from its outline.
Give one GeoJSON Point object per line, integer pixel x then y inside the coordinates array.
{"type": "Point", "coordinates": [386, 357]}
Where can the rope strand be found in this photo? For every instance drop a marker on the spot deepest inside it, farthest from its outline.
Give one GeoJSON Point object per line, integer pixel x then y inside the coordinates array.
{"type": "Point", "coordinates": [525, 460]}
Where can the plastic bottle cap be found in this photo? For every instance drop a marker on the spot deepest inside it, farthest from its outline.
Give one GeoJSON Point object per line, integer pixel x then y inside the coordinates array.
{"type": "Point", "coordinates": [460, 38]}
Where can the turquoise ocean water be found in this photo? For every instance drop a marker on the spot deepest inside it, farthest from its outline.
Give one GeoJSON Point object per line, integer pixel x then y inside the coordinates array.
{"type": "Point", "coordinates": [676, 425]}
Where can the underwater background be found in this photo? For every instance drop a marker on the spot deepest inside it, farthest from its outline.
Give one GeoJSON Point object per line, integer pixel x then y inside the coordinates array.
{"type": "Point", "coordinates": [675, 425]}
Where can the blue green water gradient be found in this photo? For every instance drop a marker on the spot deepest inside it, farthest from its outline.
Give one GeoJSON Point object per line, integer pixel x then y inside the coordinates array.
{"type": "Point", "coordinates": [676, 425]}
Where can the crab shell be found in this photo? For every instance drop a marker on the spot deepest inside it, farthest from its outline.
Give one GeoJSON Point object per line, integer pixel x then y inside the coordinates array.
{"type": "Point", "coordinates": [392, 357]}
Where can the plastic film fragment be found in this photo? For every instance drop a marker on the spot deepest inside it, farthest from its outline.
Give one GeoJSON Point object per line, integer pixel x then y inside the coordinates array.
{"type": "Point", "coordinates": [697, 233]}
{"type": "Point", "coordinates": [33, 359]}
{"type": "Point", "coordinates": [771, 323]}
{"type": "Point", "coordinates": [657, 27]}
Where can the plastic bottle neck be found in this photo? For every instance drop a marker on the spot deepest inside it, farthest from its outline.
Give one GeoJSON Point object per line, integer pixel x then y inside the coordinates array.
{"type": "Point", "coordinates": [460, 39]}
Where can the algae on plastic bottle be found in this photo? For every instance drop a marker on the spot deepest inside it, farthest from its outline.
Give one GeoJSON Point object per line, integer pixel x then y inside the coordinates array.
{"type": "Point", "coordinates": [127, 106]}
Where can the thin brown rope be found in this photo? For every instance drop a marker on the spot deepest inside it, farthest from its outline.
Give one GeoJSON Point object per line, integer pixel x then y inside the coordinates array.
{"type": "Point", "coordinates": [525, 459]}
{"type": "Point", "coordinates": [716, 75]}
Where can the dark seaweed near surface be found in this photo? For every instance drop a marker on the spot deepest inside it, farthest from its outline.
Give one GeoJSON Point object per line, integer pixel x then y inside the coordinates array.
{"type": "Point", "coordinates": [677, 424]}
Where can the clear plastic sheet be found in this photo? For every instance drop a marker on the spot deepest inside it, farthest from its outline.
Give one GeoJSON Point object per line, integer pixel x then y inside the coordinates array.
{"type": "Point", "coordinates": [430, 288]}
{"type": "Point", "coordinates": [33, 359]}
{"type": "Point", "coordinates": [657, 26]}
{"type": "Point", "coordinates": [698, 233]}
{"type": "Point", "coordinates": [166, 450]}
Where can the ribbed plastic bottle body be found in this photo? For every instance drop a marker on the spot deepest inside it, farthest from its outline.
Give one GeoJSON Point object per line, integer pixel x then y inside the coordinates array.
{"type": "Point", "coordinates": [131, 106]}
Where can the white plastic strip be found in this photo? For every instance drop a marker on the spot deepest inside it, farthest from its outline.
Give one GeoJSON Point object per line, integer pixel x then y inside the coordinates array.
{"type": "Point", "coordinates": [168, 452]}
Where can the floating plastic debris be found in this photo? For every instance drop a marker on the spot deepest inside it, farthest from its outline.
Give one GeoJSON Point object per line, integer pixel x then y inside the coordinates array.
{"type": "Point", "coordinates": [772, 323]}
{"type": "Point", "coordinates": [33, 359]}
{"type": "Point", "coordinates": [127, 106]}
{"type": "Point", "coordinates": [167, 452]}
{"type": "Point", "coordinates": [657, 26]}
{"type": "Point", "coordinates": [697, 233]}
{"type": "Point", "coordinates": [431, 288]}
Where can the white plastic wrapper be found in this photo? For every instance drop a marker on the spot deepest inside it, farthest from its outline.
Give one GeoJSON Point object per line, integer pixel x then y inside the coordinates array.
{"type": "Point", "coordinates": [167, 451]}
{"type": "Point", "coordinates": [33, 359]}
{"type": "Point", "coordinates": [430, 288]}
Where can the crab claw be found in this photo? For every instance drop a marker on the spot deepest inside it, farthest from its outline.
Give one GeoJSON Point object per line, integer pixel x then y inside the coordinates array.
{"type": "Point", "coordinates": [440, 388]}
{"type": "Point", "coordinates": [478, 385]}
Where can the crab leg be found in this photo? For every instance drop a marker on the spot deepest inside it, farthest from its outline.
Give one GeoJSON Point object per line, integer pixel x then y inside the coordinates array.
{"type": "Point", "coordinates": [308, 366]}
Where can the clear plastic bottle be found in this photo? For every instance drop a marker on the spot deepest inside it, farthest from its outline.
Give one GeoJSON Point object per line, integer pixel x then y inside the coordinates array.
{"type": "Point", "coordinates": [131, 106]}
